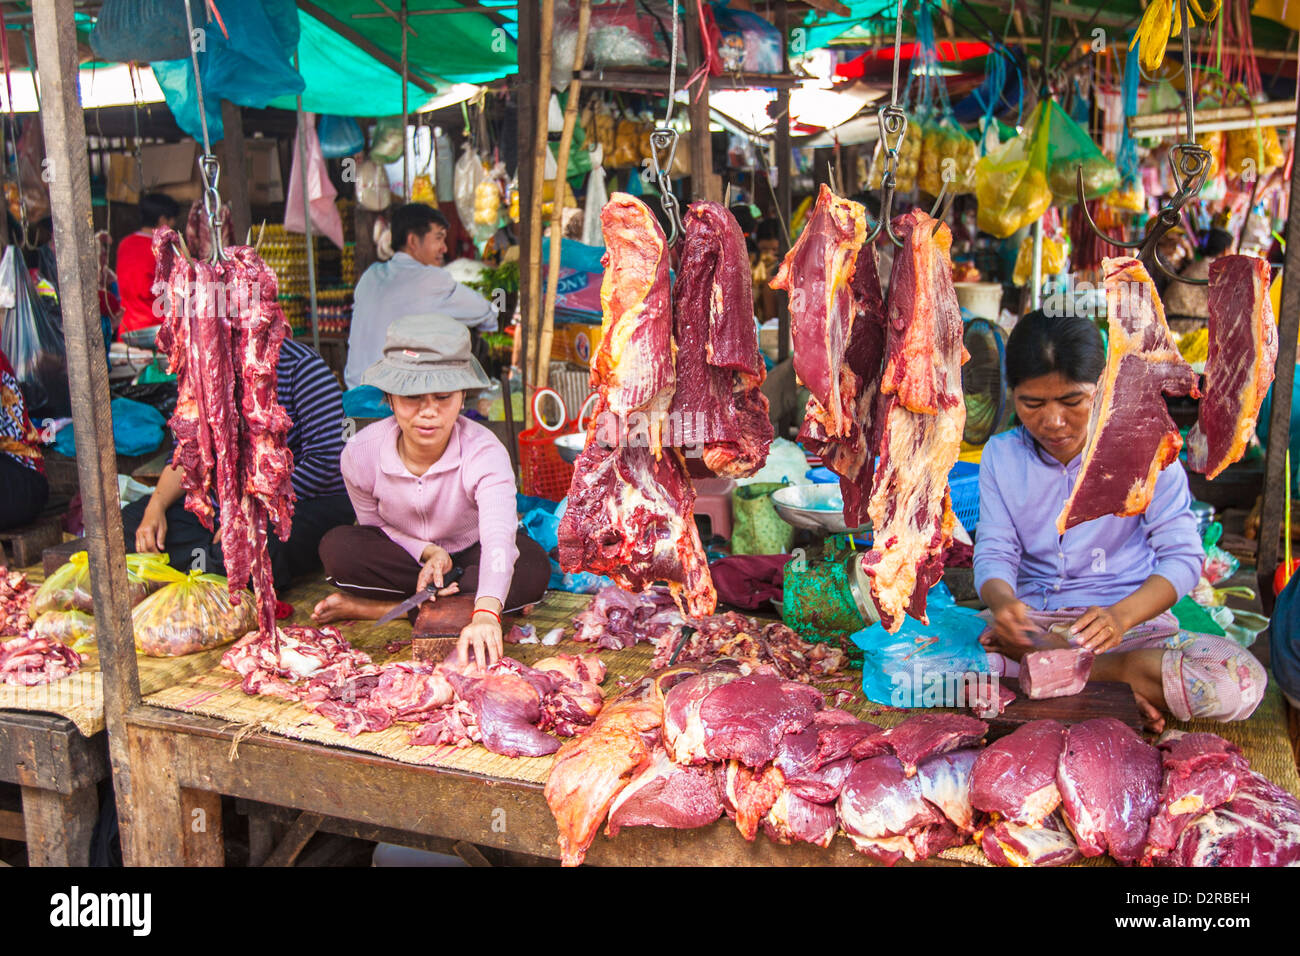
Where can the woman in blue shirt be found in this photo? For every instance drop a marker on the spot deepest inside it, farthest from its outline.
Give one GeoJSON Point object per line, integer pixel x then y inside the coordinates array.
{"type": "Point", "coordinates": [1107, 584]}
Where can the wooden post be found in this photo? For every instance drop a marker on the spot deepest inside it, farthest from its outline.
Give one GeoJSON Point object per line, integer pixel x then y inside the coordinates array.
{"type": "Point", "coordinates": [704, 184]}
{"type": "Point", "coordinates": [533, 281]}
{"type": "Point", "coordinates": [557, 207]}
{"type": "Point", "coordinates": [784, 167]}
{"type": "Point", "coordinates": [234, 171]}
{"type": "Point", "coordinates": [65, 144]}
{"type": "Point", "coordinates": [529, 189]}
{"type": "Point", "coordinates": [1279, 424]}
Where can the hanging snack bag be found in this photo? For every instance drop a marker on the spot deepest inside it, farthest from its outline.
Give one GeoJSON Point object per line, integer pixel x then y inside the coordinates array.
{"type": "Point", "coordinates": [68, 588]}
{"type": "Point", "coordinates": [1070, 148]}
{"type": "Point", "coordinates": [1011, 181]}
{"type": "Point", "coordinates": [193, 613]}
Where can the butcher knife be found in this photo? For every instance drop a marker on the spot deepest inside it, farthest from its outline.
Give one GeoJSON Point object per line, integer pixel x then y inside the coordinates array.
{"type": "Point", "coordinates": [420, 596]}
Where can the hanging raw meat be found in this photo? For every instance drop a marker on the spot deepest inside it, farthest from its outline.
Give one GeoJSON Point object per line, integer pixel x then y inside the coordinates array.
{"type": "Point", "coordinates": [633, 364]}
{"type": "Point", "coordinates": [222, 328]}
{"type": "Point", "coordinates": [852, 456]}
{"type": "Point", "coordinates": [1131, 437]}
{"type": "Point", "coordinates": [717, 406]}
{"type": "Point", "coordinates": [1239, 368]}
{"type": "Point", "coordinates": [817, 273]}
{"type": "Point", "coordinates": [917, 422]}
{"type": "Point", "coordinates": [629, 512]}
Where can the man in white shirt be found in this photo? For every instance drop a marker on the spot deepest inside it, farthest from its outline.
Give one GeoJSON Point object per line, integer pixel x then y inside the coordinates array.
{"type": "Point", "coordinates": [413, 282]}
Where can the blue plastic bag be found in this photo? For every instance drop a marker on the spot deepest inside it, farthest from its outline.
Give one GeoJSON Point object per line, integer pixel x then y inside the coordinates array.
{"type": "Point", "coordinates": [250, 68]}
{"type": "Point", "coordinates": [339, 136]}
{"type": "Point", "coordinates": [137, 429]}
{"type": "Point", "coordinates": [141, 31]}
{"type": "Point", "coordinates": [365, 401]}
{"type": "Point", "coordinates": [542, 524]}
{"type": "Point", "coordinates": [925, 665]}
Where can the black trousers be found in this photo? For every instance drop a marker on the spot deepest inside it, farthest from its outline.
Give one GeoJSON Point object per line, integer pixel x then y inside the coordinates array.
{"type": "Point", "coordinates": [312, 517]}
{"type": "Point", "coordinates": [364, 561]}
{"type": "Point", "coordinates": [23, 493]}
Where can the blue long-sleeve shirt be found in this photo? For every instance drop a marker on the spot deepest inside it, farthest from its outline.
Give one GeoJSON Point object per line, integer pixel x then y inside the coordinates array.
{"type": "Point", "coordinates": [1098, 562]}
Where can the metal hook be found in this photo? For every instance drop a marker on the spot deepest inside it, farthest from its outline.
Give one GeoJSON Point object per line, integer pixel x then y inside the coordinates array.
{"type": "Point", "coordinates": [893, 130]}
{"type": "Point", "coordinates": [942, 206]}
{"type": "Point", "coordinates": [664, 138]}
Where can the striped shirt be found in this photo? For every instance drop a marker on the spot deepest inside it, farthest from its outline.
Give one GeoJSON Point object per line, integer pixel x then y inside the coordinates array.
{"type": "Point", "coordinates": [311, 395]}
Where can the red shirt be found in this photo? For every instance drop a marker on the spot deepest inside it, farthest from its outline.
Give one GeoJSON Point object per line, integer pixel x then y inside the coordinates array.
{"type": "Point", "coordinates": [135, 266]}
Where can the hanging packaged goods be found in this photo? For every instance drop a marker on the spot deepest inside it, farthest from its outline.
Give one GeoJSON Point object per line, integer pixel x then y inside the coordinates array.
{"type": "Point", "coordinates": [1164, 19]}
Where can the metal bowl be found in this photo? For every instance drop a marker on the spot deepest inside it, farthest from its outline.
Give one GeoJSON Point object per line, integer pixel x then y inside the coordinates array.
{"type": "Point", "coordinates": [570, 446]}
{"type": "Point", "coordinates": [813, 508]}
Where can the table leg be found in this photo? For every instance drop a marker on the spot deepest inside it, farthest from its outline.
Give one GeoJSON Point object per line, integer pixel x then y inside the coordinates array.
{"type": "Point", "coordinates": [59, 826]}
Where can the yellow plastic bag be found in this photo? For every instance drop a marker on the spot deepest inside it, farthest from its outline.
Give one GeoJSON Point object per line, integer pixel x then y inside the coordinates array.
{"type": "Point", "coordinates": [487, 202]}
{"type": "Point", "coordinates": [627, 149]}
{"type": "Point", "coordinates": [74, 628]}
{"type": "Point", "coordinates": [1011, 181]}
{"type": "Point", "coordinates": [422, 190]}
{"type": "Point", "coordinates": [1053, 259]}
{"type": "Point", "coordinates": [69, 589]}
{"type": "Point", "coordinates": [194, 613]}
{"type": "Point", "coordinates": [1257, 146]}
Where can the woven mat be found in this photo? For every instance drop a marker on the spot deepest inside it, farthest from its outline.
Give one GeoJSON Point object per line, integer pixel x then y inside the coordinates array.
{"type": "Point", "coordinates": [80, 696]}
{"type": "Point", "coordinates": [215, 692]}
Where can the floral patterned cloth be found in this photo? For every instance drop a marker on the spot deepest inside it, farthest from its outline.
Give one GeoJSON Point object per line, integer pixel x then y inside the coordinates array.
{"type": "Point", "coordinates": [18, 439]}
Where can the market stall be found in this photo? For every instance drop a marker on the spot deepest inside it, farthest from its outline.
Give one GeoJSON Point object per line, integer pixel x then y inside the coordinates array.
{"type": "Point", "coordinates": [384, 739]}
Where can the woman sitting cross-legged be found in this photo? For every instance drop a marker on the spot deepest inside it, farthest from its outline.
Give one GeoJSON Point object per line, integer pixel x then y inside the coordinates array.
{"type": "Point", "coordinates": [432, 491]}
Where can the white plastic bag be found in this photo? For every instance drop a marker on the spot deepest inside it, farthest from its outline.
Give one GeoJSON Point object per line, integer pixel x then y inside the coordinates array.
{"type": "Point", "coordinates": [373, 192]}
{"type": "Point", "coordinates": [469, 173]}
{"type": "Point", "coordinates": [320, 191]}
{"type": "Point", "coordinates": [597, 196]}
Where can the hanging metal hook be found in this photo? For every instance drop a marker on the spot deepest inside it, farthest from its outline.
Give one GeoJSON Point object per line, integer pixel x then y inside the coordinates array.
{"type": "Point", "coordinates": [893, 130]}
{"type": "Point", "coordinates": [1189, 162]}
{"type": "Point", "coordinates": [942, 206]}
{"type": "Point", "coordinates": [664, 140]}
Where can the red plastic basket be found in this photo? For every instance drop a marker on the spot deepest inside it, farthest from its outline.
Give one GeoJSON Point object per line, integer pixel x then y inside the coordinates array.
{"type": "Point", "coordinates": [543, 473]}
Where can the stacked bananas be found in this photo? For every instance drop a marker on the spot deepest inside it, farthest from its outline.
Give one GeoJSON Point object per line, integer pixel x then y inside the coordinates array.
{"type": "Point", "coordinates": [1162, 20]}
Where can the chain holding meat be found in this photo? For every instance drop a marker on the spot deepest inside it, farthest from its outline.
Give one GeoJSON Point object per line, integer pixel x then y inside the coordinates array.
{"type": "Point", "coordinates": [222, 329]}
{"type": "Point", "coordinates": [16, 594]}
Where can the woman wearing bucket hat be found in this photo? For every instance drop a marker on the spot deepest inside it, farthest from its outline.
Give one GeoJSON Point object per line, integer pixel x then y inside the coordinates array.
{"type": "Point", "coordinates": [433, 491]}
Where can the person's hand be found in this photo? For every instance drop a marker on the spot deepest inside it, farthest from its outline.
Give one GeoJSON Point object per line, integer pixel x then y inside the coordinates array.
{"type": "Point", "coordinates": [151, 535]}
{"type": "Point", "coordinates": [483, 632]}
{"type": "Point", "coordinates": [1098, 629]}
{"type": "Point", "coordinates": [1011, 624]}
{"type": "Point", "coordinates": [216, 538]}
{"type": "Point", "coordinates": [437, 562]}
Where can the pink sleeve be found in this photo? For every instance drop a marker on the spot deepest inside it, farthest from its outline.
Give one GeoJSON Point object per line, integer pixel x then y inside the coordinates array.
{"type": "Point", "coordinates": [490, 482]}
{"type": "Point", "coordinates": [360, 482]}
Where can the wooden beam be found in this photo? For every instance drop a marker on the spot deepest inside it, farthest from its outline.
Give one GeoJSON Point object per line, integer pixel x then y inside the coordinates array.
{"type": "Point", "coordinates": [11, 826]}
{"type": "Point", "coordinates": [348, 33]}
{"type": "Point", "coordinates": [704, 184]}
{"type": "Point", "coordinates": [529, 194]}
{"type": "Point", "coordinates": [201, 816]}
{"type": "Point", "coordinates": [65, 145]}
{"type": "Point", "coordinates": [784, 170]}
{"type": "Point", "coordinates": [59, 827]}
{"type": "Point", "coordinates": [234, 171]}
{"type": "Point", "coordinates": [300, 832]}
{"type": "Point", "coordinates": [1276, 491]}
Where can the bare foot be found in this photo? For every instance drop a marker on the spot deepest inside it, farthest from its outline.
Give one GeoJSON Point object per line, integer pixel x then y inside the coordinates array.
{"type": "Point", "coordinates": [348, 607]}
{"type": "Point", "coordinates": [528, 609]}
{"type": "Point", "coordinates": [1152, 719]}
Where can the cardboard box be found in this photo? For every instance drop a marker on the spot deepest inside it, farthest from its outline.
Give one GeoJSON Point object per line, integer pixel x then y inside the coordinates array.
{"type": "Point", "coordinates": [172, 168]}
{"type": "Point", "coordinates": [262, 163]}
{"type": "Point", "coordinates": [123, 179]}
{"type": "Point", "coordinates": [575, 342]}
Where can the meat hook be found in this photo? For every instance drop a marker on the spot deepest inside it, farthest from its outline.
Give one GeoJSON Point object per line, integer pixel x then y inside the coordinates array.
{"type": "Point", "coordinates": [939, 212]}
{"type": "Point", "coordinates": [664, 140]}
{"type": "Point", "coordinates": [893, 129]}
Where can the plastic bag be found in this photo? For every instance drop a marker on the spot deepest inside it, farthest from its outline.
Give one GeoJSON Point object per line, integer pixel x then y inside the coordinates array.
{"type": "Point", "coordinates": [193, 613]}
{"type": "Point", "coordinates": [756, 526]}
{"type": "Point", "coordinates": [469, 174]}
{"type": "Point", "coordinates": [1053, 260]}
{"type": "Point", "coordinates": [74, 628]}
{"type": "Point", "coordinates": [746, 42]}
{"type": "Point", "coordinates": [373, 191]}
{"type": "Point", "coordinates": [925, 665]}
{"type": "Point", "coordinates": [325, 217]}
{"type": "Point", "coordinates": [138, 429]}
{"type": "Point", "coordinates": [32, 338]}
{"type": "Point", "coordinates": [340, 136]}
{"type": "Point", "coordinates": [387, 139]}
{"type": "Point", "coordinates": [946, 153]}
{"type": "Point", "coordinates": [141, 31]}
{"type": "Point", "coordinates": [1256, 147]}
{"type": "Point", "coordinates": [540, 520]}
{"type": "Point", "coordinates": [1069, 148]}
{"type": "Point", "coordinates": [1011, 181]}
{"type": "Point", "coordinates": [597, 196]}
{"type": "Point", "coordinates": [69, 588]}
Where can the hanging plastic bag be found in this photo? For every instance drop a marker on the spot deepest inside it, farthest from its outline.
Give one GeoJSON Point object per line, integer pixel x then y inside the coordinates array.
{"type": "Point", "coordinates": [141, 31]}
{"type": "Point", "coordinates": [597, 196]}
{"type": "Point", "coordinates": [32, 338]}
{"type": "Point", "coordinates": [487, 203]}
{"type": "Point", "coordinates": [387, 139]}
{"type": "Point", "coordinates": [925, 665]}
{"type": "Point", "coordinates": [340, 136]}
{"type": "Point", "coordinates": [31, 170]}
{"type": "Point", "coordinates": [627, 149]}
{"type": "Point", "coordinates": [325, 218]}
{"type": "Point", "coordinates": [1011, 181]}
{"type": "Point", "coordinates": [194, 613]}
{"type": "Point", "coordinates": [69, 589]}
{"type": "Point", "coordinates": [1130, 195]}
{"type": "Point", "coordinates": [1070, 148]}
{"type": "Point", "coordinates": [756, 526]}
{"type": "Point", "coordinates": [74, 628]}
{"type": "Point", "coordinates": [373, 191]}
{"type": "Point", "coordinates": [469, 174]}
{"type": "Point", "coordinates": [1053, 260]}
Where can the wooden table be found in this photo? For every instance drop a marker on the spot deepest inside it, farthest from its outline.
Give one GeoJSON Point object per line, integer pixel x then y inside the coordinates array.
{"type": "Point", "coordinates": [181, 765]}
{"type": "Point", "coordinates": [59, 770]}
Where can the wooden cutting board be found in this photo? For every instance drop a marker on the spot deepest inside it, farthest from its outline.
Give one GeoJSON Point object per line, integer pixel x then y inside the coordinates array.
{"type": "Point", "coordinates": [1097, 699]}
{"type": "Point", "coordinates": [438, 626]}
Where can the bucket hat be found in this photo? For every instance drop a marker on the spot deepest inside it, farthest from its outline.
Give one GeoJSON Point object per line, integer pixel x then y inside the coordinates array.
{"type": "Point", "coordinates": [424, 354]}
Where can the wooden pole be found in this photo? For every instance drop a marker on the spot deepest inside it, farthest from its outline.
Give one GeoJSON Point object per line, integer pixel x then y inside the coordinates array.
{"type": "Point", "coordinates": [1276, 491]}
{"type": "Point", "coordinates": [234, 172]}
{"type": "Point", "coordinates": [533, 323]}
{"type": "Point", "coordinates": [557, 207]}
{"type": "Point", "coordinates": [704, 184]}
{"type": "Point", "coordinates": [529, 188]}
{"type": "Point", "coordinates": [65, 143]}
{"type": "Point", "coordinates": [784, 167]}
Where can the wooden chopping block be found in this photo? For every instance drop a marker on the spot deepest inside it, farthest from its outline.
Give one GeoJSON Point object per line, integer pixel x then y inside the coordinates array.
{"type": "Point", "coordinates": [1097, 699]}
{"type": "Point", "coordinates": [438, 625]}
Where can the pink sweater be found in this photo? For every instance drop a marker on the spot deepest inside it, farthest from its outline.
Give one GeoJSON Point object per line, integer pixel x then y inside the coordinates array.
{"type": "Point", "coordinates": [466, 497]}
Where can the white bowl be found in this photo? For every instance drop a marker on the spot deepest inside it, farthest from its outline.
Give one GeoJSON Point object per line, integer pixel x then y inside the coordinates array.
{"type": "Point", "coordinates": [813, 507]}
